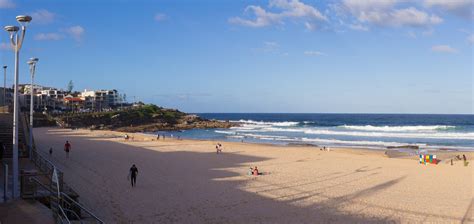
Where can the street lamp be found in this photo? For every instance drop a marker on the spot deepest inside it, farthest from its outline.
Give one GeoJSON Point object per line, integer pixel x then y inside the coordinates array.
{"type": "Point", "coordinates": [32, 62]}
{"type": "Point", "coordinates": [16, 42]}
{"type": "Point", "coordinates": [4, 85]}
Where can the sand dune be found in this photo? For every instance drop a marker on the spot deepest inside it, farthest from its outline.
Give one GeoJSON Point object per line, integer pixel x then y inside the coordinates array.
{"type": "Point", "coordinates": [184, 181]}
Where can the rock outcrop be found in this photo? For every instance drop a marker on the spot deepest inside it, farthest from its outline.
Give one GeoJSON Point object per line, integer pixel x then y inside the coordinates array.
{"type": "Point", "coordinates": [147, 118]}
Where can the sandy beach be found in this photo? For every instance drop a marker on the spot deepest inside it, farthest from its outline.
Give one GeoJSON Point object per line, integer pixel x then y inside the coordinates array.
{"type": "Point", "coordinates": [185, 181]}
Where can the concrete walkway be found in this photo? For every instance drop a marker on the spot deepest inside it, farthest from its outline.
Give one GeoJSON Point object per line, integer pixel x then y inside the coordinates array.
{"type": "Point", "coordinates": [25, 211]}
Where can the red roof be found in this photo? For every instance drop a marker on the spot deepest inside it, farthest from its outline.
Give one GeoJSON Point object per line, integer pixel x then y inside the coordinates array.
{"type": "Point", "coordinates": [74, 99]}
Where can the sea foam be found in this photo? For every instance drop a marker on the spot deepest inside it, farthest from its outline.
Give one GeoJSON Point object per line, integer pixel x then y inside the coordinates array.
{"type": "Point", "coordinates": [397, 128]}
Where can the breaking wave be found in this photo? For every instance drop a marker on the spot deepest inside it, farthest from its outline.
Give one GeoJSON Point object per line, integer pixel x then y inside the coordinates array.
{"type": "Point", "coordinates": [398, 128]}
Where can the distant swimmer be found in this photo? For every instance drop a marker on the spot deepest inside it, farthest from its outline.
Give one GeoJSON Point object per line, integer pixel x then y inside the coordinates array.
{"type": "Point", "coordinates": [50, 151]}
{"type": "Point", "coordinates": [133, 175]}
{"type": "Point", "coordinates": [67, 148]}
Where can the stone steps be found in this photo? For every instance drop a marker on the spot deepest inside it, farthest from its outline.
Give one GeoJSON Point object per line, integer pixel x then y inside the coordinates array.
{"type": "Point", "coordinates": [6, 136]}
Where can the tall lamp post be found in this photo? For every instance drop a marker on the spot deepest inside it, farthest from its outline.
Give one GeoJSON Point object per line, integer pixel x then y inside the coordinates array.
{"type": "Point", "coordinates": [4, 85]}
{"type": "Point", "coordinates": [32, 62]}
{"type": "Point", "coordinates": [16, 40]}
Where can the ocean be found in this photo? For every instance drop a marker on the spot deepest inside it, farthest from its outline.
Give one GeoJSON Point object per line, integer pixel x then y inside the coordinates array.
{"type": "Point", "coordinates": [375, 131]}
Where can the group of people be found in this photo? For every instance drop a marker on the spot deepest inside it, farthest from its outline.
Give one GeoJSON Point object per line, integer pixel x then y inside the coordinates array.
{"type": "Point", "coordinates": [218, 148]}
{"type": "Point", "coordinates": [324, 148]}
{"type": "Point", "coordinates": [253, 171]}
{"type": "Point", "coordinates": [164, 136]}
{"type": "Point", "coordinates": [67, 149]}
{"type": "Point", "coordinates": [464, 159]}
{"type": "Point", "coordinates": [158, 137]}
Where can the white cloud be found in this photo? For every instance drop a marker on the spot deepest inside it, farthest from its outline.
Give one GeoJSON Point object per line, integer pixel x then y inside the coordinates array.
{"type": "Point", "coordinates": [269, 47]}
{"type": "Point", "coordinates": [359, 27]}
{"type": "Point", "coordinates": [462, 8]}
{"type": "Point", "coordinates": [271, 44]}
{"type": "Point", "coordinates": [160, 17]}
{"type": "Point", "coordinates": [411, 34]}
{"type": "Point", "coordinates": [48, 36]}
{"type": "Point", "coordinates": [470, 38]}
{"type": "Point", "coordinates": [287, 10]}
{"type": "Point", "coordinates": [385, 13]}
{"type": "Point", "coordinates": [310, 26]}
{"type": "Point", "coordinates": [43, 16]}
{"type": "Point", "coordinates": [314, 53]}
{"type": "Point", "coordinates": [295, 8]}
{"type": "Point", "coordinates": [414, 17]}
{"type": "Point", "coordinates": [5, 4]}
{"type": "Point", "coordinates": [369, 5]}
{"type": "Point", "coordinates": [428, 32]}
{"type": "Point", "coordinates": [444, 49]}
{"type": "Point", "coordinates": [76, 32]}
{"type": "Point", "coordinates": [262, 18]}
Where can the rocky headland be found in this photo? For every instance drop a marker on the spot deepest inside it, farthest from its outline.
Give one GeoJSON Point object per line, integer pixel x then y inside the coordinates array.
{"type": "Point", "coordinates": [145, 118]}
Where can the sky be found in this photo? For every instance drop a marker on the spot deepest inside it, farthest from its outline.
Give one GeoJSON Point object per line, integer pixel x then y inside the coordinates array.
{"type": "Point", "coordinates": [281, 56]}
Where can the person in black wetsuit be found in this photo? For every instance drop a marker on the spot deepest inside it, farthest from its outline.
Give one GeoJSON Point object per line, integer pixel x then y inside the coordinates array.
{"type": "Point", "coordinates": [133, 175]}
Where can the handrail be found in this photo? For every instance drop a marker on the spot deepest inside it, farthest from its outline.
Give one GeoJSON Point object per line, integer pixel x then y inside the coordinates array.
{"type": "Point", "coordinates": [64, 215]}
{"type": "Point", "coordinates": [46, 160]}
{"type": "Point", "coordinates": [40, 160]}
{"type": "Point", "coordinates": [82, 207]}
{"type": "Point", "coordinates": [69, 201]}
{"type": "Point", "coordinates": [52, 192]}
{"type": "Point", "coordinates": [74, 213]}
{"type": "Point", "coordinates": [23, 119]}
{"type": "Point", "coordinates": [41, 185]}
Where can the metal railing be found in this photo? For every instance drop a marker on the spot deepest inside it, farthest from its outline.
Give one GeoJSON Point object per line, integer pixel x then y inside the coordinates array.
{"type": "Point", "coordinates": [46, 166]}
{"type": "Point", "coordinates": [5, 182]}
{"type": "Point", "coordinates": [56, 207]}
{"type": "Point", "coordinates": [72, 202]}
{"type": "Point", "coordinates": [66, 208]}
{"type": "Point", "coordinates": [62, 217]}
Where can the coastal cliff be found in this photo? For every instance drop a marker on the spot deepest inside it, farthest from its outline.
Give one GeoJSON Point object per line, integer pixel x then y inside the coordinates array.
{"type": "Point", "coordinates": [146, 118]}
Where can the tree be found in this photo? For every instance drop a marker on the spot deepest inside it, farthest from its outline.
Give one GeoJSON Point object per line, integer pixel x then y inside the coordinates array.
{"type": "Point", "coordinates": [124, 97]}
{"type": "Point", "coordinates": [70, 86]}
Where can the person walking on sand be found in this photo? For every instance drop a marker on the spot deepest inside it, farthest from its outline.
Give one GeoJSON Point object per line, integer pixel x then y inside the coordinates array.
{"type": "Point", "coordinates": [67, 148]}
{"type": "Point", "coordinates": [133, 175]}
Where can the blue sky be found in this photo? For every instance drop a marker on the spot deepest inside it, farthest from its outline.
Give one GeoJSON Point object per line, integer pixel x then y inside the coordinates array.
{"type": "Point", "coordinates": [339, 56]}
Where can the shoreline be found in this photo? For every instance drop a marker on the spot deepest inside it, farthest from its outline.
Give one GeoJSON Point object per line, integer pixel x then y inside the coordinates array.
{"type": "Point", "coordinates": [391, 153]}
{"type": "Point", "coordinates": [303, 144]}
